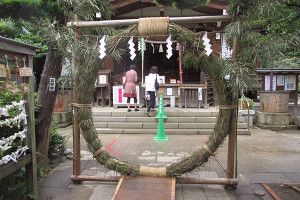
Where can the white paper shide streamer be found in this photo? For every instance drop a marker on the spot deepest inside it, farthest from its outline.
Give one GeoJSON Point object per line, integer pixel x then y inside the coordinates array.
{"type": "Point", "coordinates": [4, 110]}
{"type": "Point", "coordinates": [10, 122]}
{"type": "Point", "coordinates": [169, 47]}
{"type": "Point", "coordinates": [139, 45]}
{"type": "Point", "coordinates": [6, 143]}
{"type": "Point", "coordinates": [102, 48]}
{"type": "Point", "coordinates": [14, 156]}
{"type": "Point", "coordinates": [207, 44]}
{"type": "Point", "coordinates": [131, 48]}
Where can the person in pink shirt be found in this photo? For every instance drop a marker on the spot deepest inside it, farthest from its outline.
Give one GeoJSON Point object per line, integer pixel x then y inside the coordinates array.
{"type": "Point", "coordinates": [130, 88]}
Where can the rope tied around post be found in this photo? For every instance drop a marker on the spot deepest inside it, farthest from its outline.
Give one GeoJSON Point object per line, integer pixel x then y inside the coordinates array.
{"type": "Point", "coordinates": [99, 151]}
{"type": "Point", "coordinates": [211, 153]}
{"type": "Point", "coordinates": [152, 26]}
{"type": "Point", "coordinates": [153, 171]}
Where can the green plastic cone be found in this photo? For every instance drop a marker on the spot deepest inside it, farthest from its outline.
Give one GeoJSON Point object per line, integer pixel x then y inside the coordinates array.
{"type": "Point", "coordinates": [161, 109]}
{"type": "Point", "coordinates": [160, 134]}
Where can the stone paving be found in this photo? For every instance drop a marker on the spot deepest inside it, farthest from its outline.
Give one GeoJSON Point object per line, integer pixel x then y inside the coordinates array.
{"type": "Point", "coordinates": [263, 157]}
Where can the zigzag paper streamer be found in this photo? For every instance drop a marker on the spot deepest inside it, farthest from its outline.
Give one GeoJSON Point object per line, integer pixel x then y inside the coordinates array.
{"type": "Point", "coordinates": [14, 156]}
{"type": "Point", "coordinates": [139, 46]}
{"type": "Point", "coordinates": [102, 48]}
{"type": "Point", "coordinates": [152, 47]}
{"type": "Point", "coordinates": [132, 49]}
{"type": "Point", "coordinates": [169, 47]}
{"type": "Point", "coordinates": [207, 44]}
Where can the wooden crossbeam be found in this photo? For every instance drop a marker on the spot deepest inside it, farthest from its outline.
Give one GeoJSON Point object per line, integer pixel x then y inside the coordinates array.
{"type": "Point", "coordinates": [125, 22]}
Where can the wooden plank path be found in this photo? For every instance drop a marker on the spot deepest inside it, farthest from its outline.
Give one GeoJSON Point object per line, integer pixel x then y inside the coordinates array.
{"type": "Point", "coordinates": [145, 188]}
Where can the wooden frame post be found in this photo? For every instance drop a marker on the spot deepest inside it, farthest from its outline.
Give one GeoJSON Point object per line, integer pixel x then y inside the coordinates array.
{"type": "Point", "coordinates": [180, 63]}
{"type": "Point", "coordinates": [31, 169]}
{"type": "Point", "coordinates": [76, 128]}
{"type": "Point", "coordinates": [232, 137]}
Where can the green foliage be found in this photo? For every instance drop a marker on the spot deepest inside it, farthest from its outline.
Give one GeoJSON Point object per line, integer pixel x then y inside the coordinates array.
{"type": "Point", "coordinates": [13, 2]}
{"type": "Point", "coordinates": [6, 97]}
{"type": "Point", "coordinates": [36, 39]}
{"type": "Point", "coordinates": [7, 28]}
{"type": "Point", "coordinates": [269, 32]}
{"type": "Point", "coordinates": [14, 186]}
{"type": "Point", "coordinates": [57, 143]}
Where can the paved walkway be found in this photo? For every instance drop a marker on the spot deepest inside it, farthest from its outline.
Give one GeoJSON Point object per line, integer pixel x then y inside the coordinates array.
{"type": "Point", "coordinates": [263, 157]}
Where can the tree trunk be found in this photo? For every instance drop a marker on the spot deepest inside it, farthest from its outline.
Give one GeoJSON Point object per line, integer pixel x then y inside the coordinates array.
{"type": "Point", "coordinates": [46, 99]}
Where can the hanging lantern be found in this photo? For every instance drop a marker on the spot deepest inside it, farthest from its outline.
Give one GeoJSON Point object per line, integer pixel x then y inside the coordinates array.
{"type": "Point", "coordinates": [161, 48]}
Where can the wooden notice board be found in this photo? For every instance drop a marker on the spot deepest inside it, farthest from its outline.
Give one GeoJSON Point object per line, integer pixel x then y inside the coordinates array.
{"type": "Point", "coordinates": [145, 188]}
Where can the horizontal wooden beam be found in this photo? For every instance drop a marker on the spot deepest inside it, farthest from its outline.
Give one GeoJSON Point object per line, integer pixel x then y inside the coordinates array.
{"type": "Point", "coordinates": [96, 178]}
{"type": "Point", "coordinates": [208, 181]}
{"type": "Point", "coordinates": [11, 167]}
{"type": "Point", "coordinates": [125, 22]}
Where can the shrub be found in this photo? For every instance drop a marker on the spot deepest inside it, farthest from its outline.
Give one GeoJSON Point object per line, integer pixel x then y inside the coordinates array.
{"type": "Point", "coordinates": [57, 143]}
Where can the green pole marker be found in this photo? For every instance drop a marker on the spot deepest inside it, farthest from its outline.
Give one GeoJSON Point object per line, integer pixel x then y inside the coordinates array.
{"type": "Point", "coordinates": [161, 134]}
{"type": "Point", "coordinates": [161, 109]}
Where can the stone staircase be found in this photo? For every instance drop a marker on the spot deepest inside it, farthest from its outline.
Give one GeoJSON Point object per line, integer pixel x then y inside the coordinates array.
{"type": "Point", "coordinates": [183, 122]}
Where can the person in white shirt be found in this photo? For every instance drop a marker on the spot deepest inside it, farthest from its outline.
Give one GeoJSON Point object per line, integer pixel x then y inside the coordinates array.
{"type": "Point", "coordinates": [150, 88]}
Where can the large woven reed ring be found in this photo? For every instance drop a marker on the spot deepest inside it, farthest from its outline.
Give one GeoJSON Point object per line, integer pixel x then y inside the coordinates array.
{"type": "Point", "coordinates": [153, 26]}
{"type": "Point", "coordinates": [186, 164]}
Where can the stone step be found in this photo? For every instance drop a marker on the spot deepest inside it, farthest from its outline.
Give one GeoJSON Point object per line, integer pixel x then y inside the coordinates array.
{"type": "Point", "coordinates": [153, 125]}
{"type": "Point", "coordinates": [168, 131]}
{"type": "Point", "coordinates": [142, 114]}
{"type": "Point", "coordinates": [152, 119]}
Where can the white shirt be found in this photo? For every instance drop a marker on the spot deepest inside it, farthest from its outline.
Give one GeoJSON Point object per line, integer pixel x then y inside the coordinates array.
{"type": "Point", "coordinates": [150, 82]}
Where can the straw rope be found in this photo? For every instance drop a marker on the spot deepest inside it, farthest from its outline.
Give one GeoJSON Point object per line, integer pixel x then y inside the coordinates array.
{"type": "Point", "coordinates": [153, 26]}
{"type": "Point", "coordinates": [208, 150]}
{"type": "Point", "coordinates": [152, 171]}
{"type": "Point", "coordinates": [186, 164]}
{"type": "Point", "coordinates": [99, 151]}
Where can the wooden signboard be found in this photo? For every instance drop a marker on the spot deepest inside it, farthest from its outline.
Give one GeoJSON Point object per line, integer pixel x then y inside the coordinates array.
{"type": "Point", "coordinates": [25, 71]}
{"type": "Point", "coordinates": [2, 71]}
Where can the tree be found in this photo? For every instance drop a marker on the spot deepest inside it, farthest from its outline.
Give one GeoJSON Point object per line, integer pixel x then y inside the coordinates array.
{"type": "Point", "coordinates": [269, 32]}
{"type": "Point", "coordinates": [51, 17]}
